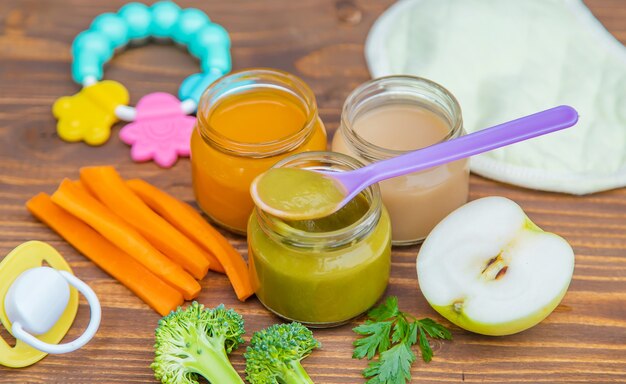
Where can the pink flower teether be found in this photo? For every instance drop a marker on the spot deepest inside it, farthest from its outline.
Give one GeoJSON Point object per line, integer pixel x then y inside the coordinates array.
{"type": "Point", "coordinates": [161, 130]}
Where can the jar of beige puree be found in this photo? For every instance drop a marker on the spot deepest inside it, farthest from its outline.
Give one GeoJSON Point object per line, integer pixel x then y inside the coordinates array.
{"type": "Point", "coordinates": [389, 116]}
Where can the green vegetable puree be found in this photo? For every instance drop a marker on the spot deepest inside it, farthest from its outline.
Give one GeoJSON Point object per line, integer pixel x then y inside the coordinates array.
{"type": "Point", "coordinates": [347, 215]}
{"type": "Point", "coordinates": [318, 284]}
{"type": "Point", "coordinates": [297, 193]}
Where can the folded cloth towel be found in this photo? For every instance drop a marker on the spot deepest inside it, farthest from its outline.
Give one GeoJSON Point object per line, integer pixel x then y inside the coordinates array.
{"type": "Point", "coordinates": [507, 58]}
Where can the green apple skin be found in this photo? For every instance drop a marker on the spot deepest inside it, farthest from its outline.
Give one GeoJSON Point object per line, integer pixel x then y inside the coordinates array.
{"type": "Point", "coordinates": [456, 315]}
{"type": "Point", "coordinates": [500, 329]}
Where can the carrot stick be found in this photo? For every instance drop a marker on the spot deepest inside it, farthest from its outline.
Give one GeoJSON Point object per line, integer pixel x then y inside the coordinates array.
{"type": "Point", "coordinates": [214, 264]}
{"type": "Point", "coordinates": [81, 186]}
{"type": "Point", "coordinates": [92, 212]}
{"type": "Point", "coordinates": [108, 187]}
{"type": "Point", "coordinates": [143, 283]}
{"type": "Point", "coordinates": [189, 222]}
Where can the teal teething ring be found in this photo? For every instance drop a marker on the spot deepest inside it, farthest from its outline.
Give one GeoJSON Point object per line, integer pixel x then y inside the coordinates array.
{"type": "Point", "coordinates": [160, 130]}
{"type": "Point", "coordinates": [136, 22]}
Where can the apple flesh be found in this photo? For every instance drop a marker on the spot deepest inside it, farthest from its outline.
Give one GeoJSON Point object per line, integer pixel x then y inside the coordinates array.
{"type": "Point", "coordinates": [488, 269]}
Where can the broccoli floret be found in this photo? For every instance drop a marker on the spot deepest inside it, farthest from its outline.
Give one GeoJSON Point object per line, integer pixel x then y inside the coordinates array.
{"type": "Point", "coordinates": [197, 341]}
{"type": "Point", "coordinates": [275, 353]}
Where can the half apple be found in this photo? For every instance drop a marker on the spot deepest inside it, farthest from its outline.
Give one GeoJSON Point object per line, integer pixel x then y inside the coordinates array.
{"type": "Point", "coordinates": [488, 269]}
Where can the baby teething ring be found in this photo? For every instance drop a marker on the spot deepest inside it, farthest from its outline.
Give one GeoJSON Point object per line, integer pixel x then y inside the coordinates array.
{"type": "Point", "coordinates": [161, 130]}
{"type": "Point", "coordinates": [26, 256]}
{"type": "Point", "coordinates": [134, 23]}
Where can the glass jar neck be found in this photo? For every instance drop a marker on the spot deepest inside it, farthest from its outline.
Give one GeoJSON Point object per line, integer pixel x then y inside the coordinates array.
{"type": "Point", "coordinates": [390, 90]}
{"type": "Point", "coordinates": [283, 232]}
{"type": "Point", "coordinates": [247, 81]}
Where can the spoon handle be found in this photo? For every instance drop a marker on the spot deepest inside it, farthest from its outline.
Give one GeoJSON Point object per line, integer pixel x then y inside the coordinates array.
{"type": "Point", "coordinates": [524, 128]}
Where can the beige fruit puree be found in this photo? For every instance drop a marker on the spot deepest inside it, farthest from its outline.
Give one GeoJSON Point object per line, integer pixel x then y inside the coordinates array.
{"type": "Point", "coordinates": [390, 116]}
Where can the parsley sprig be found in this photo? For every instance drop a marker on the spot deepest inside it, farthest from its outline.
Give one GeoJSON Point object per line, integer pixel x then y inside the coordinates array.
{"type": "Point", "coordinates": [391, 333]}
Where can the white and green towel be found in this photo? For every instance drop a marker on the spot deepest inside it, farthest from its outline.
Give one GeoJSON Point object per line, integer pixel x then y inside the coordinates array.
{"type": "Point", "coordinates": [504, 59]}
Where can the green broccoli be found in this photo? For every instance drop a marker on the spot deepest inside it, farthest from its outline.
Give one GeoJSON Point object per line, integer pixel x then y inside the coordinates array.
{"type": "Point", "coordinates": [197, 341]}
{"type": "Point", "coordinates": [275, 353]}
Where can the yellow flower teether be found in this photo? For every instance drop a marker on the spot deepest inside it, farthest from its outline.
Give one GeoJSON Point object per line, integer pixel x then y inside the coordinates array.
{"type": "Point", "coordinates": [89, 114]}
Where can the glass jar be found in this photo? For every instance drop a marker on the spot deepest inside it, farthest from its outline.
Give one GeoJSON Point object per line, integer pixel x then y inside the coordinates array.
{"type": "Point", "coordinates": [246, 122]}
{"type": "Point", "coordinates": [389, 116]}
{"type": "Point", "coordinates": [327, 271]}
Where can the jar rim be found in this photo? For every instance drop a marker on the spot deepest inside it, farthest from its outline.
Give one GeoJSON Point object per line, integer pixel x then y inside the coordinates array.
{"type": "Point", "coordinates": [246, 80]}
{"type": "Point", "coordinates": [280, 231]}
{"type": "Point", "coordinates": [413, 85]}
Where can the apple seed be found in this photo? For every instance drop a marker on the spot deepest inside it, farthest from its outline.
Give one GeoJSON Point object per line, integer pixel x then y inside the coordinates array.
{"type": "Point", "coordinates": [495, 268]}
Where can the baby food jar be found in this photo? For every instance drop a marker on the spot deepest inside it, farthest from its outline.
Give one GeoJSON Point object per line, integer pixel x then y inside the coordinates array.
{"type": "Point", "coordinates": [247, 121]}
{"type": "Point", "coordinates": [389, 116]}
{"type": "Point", "coordinates": [327, 271]}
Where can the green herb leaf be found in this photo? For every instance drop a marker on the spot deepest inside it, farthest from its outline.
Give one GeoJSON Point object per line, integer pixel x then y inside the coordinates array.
{"type": "Point", "coordinates": [391, 333]}
{"type": "Point", "coordinates": [377, 339]}
{"type": "Point", "coordinates": [386, 310]}
{"type": "Point", "coordinates": [400, 329]}
{"type": "Point", "coordinates": [427, 352]}
{"type": "Point", "coordinates": [394, 366]}
{"type": "Point", "coordinates": [434, 329]}
{"type": "Point", "coordinates": [412, 334]}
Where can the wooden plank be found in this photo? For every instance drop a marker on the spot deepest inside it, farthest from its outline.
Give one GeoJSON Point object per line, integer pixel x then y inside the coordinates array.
{"type": "Point", "coordinates": [584, 340]}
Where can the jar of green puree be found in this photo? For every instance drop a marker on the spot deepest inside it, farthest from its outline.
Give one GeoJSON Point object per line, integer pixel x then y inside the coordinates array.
{"type": "Point", "coordinates": [327, 271]}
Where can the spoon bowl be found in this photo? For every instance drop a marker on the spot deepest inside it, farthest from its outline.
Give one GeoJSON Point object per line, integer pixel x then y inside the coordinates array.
{"type": "Point", "coordinates": [303, 193]}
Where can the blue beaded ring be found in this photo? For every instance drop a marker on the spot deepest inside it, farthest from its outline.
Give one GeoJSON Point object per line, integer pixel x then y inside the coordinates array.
{"type": "Point", "coordinates": [136, 22]}
{"type": "Point", "coordinates": [160, 130]}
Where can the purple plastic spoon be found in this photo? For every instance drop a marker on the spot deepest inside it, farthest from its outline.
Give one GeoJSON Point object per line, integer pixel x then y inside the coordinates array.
{"type": "Point", "coordinates": [353, 182]}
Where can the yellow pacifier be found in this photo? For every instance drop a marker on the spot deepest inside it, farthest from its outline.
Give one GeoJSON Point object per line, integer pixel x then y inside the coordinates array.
{"type": "Point", "coordinates": [38, 300]}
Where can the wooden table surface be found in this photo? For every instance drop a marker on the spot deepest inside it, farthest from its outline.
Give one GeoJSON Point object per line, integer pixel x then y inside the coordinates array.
{"type": "Point", "coordinates": [584, 340]}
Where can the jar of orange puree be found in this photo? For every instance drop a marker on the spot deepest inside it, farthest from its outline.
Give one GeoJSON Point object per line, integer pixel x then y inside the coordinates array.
{"type": "Point", "coordinates": [389, 116]}
{"type": "Point", "coordinates": [246, 122]}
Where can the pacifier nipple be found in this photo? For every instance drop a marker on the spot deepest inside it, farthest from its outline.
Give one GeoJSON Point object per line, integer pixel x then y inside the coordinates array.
{"type": "Point", "coordinates": [37, 299]}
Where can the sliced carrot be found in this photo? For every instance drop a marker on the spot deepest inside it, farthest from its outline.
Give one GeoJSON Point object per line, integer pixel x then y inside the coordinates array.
{"type": "Point", "coordinates": [81, 186]}
{"type": "Point", "coordinates": [189, 222]}
{"type": "Point", "coordinates": [92, 212]}
{"type": "Point", "coordinates": [143, 283]}
{"type": "Point", "coordinates": [215, 265]}
{"type": "Point", "coordinates": [108, 187]}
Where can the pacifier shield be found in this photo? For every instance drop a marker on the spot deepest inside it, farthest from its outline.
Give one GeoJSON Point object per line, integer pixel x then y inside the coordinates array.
{"type": "Point", "coordinates": [24, 257]}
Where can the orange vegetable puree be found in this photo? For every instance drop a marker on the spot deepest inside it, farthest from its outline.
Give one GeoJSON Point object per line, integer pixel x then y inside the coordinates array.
{"type": "Point", "coordinates": [232, 144]}
{"type": "Point", "coordinates": [274, 115]}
